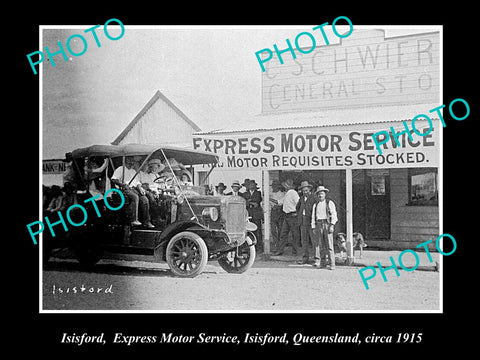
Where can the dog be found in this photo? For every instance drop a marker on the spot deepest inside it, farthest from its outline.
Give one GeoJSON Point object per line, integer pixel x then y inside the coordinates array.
{"type": "Point", "coordinates": [358, 243]}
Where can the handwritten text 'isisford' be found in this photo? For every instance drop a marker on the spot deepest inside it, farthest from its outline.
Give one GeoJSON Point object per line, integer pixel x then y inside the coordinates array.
{"type": "Point", "coordinates": [303, 50]}
{"type": "Point", "coordinates": [74, 51]}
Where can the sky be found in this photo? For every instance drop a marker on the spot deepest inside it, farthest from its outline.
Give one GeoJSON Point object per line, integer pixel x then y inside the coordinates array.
{"type": "Point", "coordinates": [210, 73]}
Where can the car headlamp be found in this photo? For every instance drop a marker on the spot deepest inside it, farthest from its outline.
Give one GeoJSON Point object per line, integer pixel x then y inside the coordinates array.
{"type": "Point", "coordinates": [211, 212]}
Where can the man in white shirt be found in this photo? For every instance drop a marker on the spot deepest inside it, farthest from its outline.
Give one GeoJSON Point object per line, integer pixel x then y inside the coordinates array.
{"type": "Point", "coordinates": [153, 167]}
{"type": "Point", "coordinates": [324, 218]}
{"type": "Point", "coordinates": [290, 222]}
{"type": "Point", "coordinates": [122, 177]}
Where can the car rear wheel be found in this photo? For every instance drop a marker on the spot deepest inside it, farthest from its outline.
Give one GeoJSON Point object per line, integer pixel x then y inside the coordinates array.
{"type": "Point", "coordinates": [87, 248]}
{"type": "Point", "coordinates": [88, 255]}
{"type": "Point", "coordinates": [187, 254]}
{"type": "Point", "coordinates": [238, 262]}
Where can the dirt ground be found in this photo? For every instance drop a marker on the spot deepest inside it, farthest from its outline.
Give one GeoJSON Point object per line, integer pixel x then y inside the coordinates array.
{"type": "Point", "coordinates": [140, 284]}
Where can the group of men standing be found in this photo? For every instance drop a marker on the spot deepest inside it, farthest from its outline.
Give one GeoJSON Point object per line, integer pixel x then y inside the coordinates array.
{"type": "Point", "coordinates": [298, 219]}
{"type": "Point", "coordinates": [307, 217]}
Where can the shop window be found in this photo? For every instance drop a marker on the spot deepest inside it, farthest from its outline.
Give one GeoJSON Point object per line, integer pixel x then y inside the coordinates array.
{"type": "Point", "coordinates": [423, 187]}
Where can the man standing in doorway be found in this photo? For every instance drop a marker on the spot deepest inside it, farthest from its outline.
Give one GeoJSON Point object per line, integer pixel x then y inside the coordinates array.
{"type": "Point", "coordinates": [304, 214]}
{"type": "Point", "coordinates": [324, 218]}
{"type": "Point", "coordinates": [290, 222]}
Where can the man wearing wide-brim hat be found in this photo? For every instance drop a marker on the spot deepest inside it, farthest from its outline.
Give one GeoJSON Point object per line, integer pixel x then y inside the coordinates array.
{"type": "Point", "coordinates": [147, 179]}
{"type": "Point", "coordinates": [324, 218]}
{"type": "Point", "coordinates": [220, 188]}
{"type": "Point", "coordinates": [244, 186]}
{"type": "Point", "coordinates": [235, 188]}
{"type": "Point", "coordinates": [304, 211]}
{"type": "Point", "coordinates": [156, 166]}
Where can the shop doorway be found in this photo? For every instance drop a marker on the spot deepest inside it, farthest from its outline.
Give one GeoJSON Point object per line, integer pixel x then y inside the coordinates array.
{"type": "Point", "coordinates": [371, 203]}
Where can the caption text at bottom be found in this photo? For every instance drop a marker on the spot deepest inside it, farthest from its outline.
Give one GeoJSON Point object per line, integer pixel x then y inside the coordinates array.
{"type": "Point", "coordinates": [247, 338]}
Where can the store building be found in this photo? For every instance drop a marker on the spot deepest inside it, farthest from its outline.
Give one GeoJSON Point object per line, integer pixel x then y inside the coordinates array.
{"type": "Point", "coordinates": [319, 112]}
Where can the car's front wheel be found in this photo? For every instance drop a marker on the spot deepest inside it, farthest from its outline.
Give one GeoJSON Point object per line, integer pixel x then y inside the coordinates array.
{"type": "Point", "coordinates": [239, 260]}
{"type": "Point", "coordinates": [187, 254]}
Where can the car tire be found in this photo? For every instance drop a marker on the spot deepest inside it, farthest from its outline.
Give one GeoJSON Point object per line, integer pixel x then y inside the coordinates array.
{"type": "Point", "coordinates": [187, 254]}
{"type": "Point", "coordinates": [87, 249]}
{"type": "Point", "coordinates": [88, 256]}
{"type": "Point", "coordinates": [234, 264]}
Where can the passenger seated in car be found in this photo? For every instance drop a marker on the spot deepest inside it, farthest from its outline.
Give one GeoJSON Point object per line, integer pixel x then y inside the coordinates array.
{"type": "Point", "coordinates": [185, 178]}
{"type": "Point", "coordinates": [167, 182]}
{"type": "Point", "coordinates": [153, 168]}
{"type": "Point", "coordinates": [69, 196]}
{"type": "Point", "coordinates": [122, 177]}
{"type": "Point", "coordinates": [175, 176]}
{"type": "Point", "coordinates": [172, 165]}
{"type": "Point", "coordinates": [147, 176]}
{"type": "Point", "coordinates": [96, 176]}
{"type": "Point", "coordinates": [69, 175]}
{"type": "Point", "coordinates": [56, 199]}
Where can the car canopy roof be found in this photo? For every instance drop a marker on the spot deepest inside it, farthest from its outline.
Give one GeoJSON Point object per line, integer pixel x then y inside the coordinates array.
{"type": "Point", "coordinates": [97, 150]}
{"type": "Point", "coordinates": [185, 156]}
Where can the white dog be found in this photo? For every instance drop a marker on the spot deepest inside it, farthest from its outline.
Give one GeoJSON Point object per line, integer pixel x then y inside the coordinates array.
{"type": "Point", "coordinates": [358, 243]}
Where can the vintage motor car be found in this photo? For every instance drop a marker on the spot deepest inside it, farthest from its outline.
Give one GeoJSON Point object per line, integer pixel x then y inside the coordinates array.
{"type": "Point", "coordinates": [188, 226]}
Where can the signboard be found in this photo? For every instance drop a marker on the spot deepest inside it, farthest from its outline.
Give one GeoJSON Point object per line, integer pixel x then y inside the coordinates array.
{"type": "Point", "coordinates": [316, 148]}
{"type": "Point", "coordinates": [53, 166]}
{"type": "Point", "coordinates": [365, 69]}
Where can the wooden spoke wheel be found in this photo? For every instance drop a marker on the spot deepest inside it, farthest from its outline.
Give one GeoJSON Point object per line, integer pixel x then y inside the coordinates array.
{"type": "Point", "coordinates": [239, 261]}
{"type": "Point", "coordinates": [187, 254]}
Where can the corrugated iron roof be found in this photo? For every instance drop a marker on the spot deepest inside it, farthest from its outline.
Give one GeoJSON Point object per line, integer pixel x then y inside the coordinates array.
{"type": "Point", "coordinates": [313, 119]}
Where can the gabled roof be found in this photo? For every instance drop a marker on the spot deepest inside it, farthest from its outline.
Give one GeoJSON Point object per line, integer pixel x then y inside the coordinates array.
{"type": "Point", "coordinates": [158, 95]}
